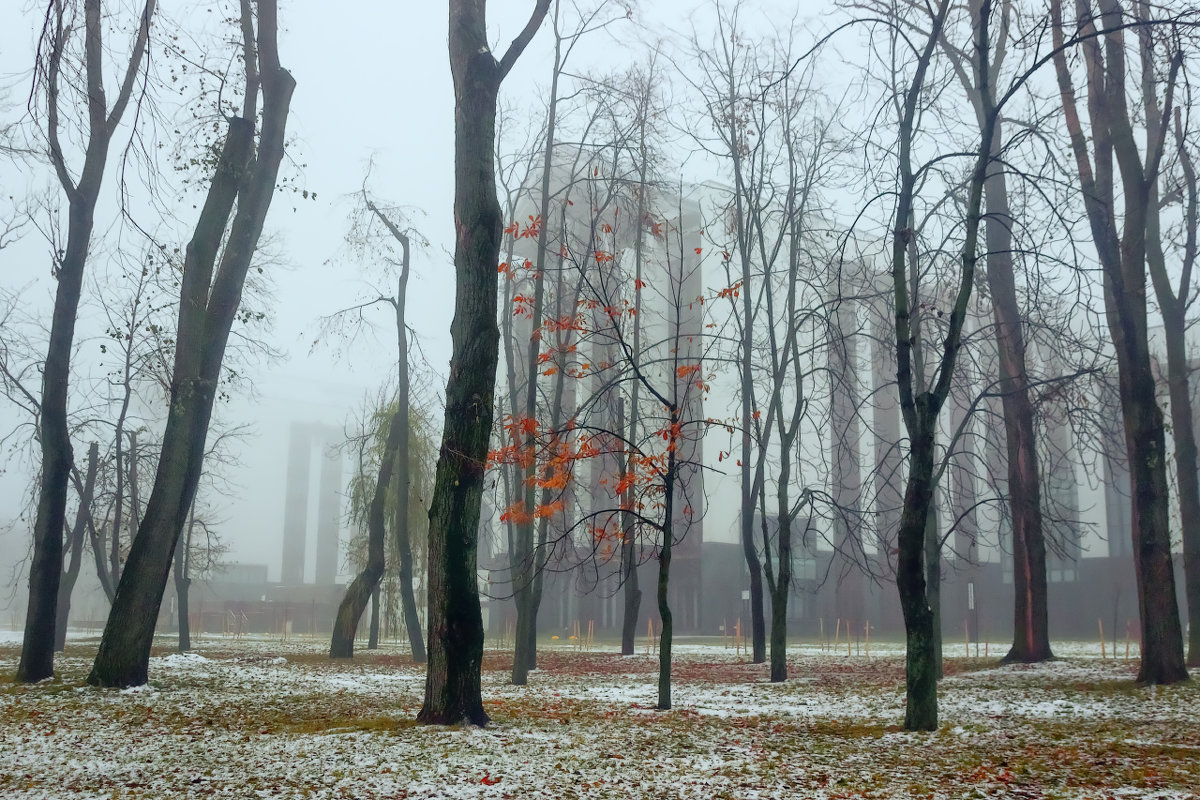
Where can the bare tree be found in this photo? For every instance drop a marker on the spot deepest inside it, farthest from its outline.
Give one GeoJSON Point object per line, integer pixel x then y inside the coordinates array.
{"type": "Point", "coordinates": [1122, 251]}
{"type": "Point", "coordinates": [209, 303]}
{"type": "Point", "coordinates": [82, 192]}
{"type": "Point", "coordinates": [395, 459]}
{"type": "Point", "coordinates": [452, 679]}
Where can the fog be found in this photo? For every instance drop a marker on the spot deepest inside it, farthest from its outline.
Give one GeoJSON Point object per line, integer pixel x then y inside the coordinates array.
{"type": "Point", "coordinates": [373, 84]}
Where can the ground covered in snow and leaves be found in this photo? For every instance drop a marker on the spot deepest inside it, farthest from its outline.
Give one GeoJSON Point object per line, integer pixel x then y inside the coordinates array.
{"type": "Point", "coordinates": [265, 718]}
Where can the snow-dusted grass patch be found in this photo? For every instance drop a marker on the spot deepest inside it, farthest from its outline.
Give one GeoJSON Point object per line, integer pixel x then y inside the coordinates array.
{"type": "Point", "coordinates": [264, 718]}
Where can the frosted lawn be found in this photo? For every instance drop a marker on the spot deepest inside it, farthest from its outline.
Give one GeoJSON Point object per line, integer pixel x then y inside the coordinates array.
{"type": "Point", "coordinates": [263, 718]}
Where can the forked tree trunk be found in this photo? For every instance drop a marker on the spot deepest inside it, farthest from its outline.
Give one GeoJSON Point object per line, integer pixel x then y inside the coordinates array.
{"type": "Point", "coordinates": [920, 406]}
{"type": "Point", "coordinates": [452, 678]}
{"type": "Point", "coordinates": [67, 585]}
{"type": "Point", "coordinates": [1123, 260]}
{"type": "Point", "coordinates": [45, 568]}
{"type": "Point", "coordinates": [207, 310]}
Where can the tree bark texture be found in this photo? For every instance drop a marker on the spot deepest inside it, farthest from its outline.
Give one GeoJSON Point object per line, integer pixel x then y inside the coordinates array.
{"type": "Point", "coordinates": [664, 577]}
{"type": "Point", "coordinates": [452, 677]}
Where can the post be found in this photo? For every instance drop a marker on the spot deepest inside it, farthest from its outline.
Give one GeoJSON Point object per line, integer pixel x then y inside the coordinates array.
{"type": "Point", "coordinates": [967, 635]}
{"type": "Point", "coordinates": [837, 633]}
{"type": "Point", "coordinates": [1103, 653]}
{"type": "Point", "coordinates": [867, 634]}
{"type": "Point", "coordinates": [1127, 625]}
{"type": "Point", "coordinates": [822, 638]}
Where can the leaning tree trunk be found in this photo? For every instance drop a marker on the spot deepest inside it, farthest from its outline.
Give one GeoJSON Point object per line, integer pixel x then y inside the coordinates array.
{"type": "Point", "coordinates": [366, 583]}
{"type": "Point", "coordinates": [67, 585]}
{"type": "Point", "coordinates": [206, 313]}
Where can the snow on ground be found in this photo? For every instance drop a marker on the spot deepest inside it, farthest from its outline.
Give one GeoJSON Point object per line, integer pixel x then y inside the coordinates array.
{"type": "Point", "coordinates": [264, 718]}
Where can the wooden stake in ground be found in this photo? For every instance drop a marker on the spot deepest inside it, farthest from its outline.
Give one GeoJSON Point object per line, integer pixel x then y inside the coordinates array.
{"type": "Point", "coordinates": [1103, 653]}
{"type": "Point", "coordinates": [967, 635]}
{"type": "Point", "coordinates": [837, 630]}
{"type": "Point", "coordinates": [867, 637]}
{"type": "Point", "coordinates": [1127, 636]}
{"type": "Point", "coordinates": [822, 639]}
{"type": "Point", "coordinates": [849, 639]}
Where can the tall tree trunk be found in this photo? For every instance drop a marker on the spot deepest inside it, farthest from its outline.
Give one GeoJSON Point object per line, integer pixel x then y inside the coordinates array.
{"type": "Point", "coordinates": [67, 585]}
{"type": "Point", "coordinates": [183, 582]}
{"type": "Point", "coordinates": [207, 310]}
{"type": "Point", "coordinates": [921, 711]}
{"type": "Point", "coordinates": [1031, 627]}
{"type": "Point", "coordinates": [403, 452]}
{"type": "Point", "coordinates": [1173, 305]}
{"type": "Point", "coordinates": [933, 580]}
{"type": "Point", "coordinates": [452, 677]}
{"type": "Point", "coordinates": [524, 560]}
{"type": "Point", "coordinates": [45, 569]}
{"type": "Point", "coordinates": [1123, 260]}
{"type": "Point", "coordinates": [664, 573]}
{"type": "Point", "coordinates": [630, 591]}
{"type": "Point", "coordinates": [782, 586]}
{"type": "Point", "coordinates": [373, 631]}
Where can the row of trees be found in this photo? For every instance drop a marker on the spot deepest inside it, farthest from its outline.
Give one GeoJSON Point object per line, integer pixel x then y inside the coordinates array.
{"type": "Point", "coordinates": [946, 199]}
{"type": "Point", "coordinates": [612, 340]}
